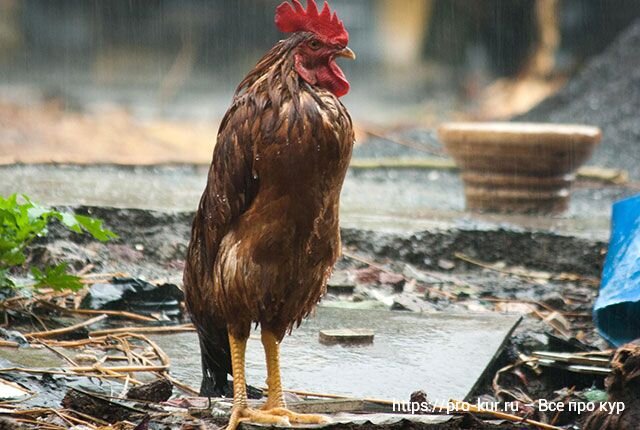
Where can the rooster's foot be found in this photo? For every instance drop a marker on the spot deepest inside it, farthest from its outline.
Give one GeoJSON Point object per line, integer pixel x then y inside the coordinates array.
{"type": "Point", "coordinates": [245, 414]}
{"type": "Point", "coordinates": [276, 416]}
{"type": "Point", "coordinates": [296, 418]}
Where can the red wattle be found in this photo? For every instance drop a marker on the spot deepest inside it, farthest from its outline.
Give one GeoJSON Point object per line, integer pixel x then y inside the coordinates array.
{"type": "Point", "coordinates": [329, 77]}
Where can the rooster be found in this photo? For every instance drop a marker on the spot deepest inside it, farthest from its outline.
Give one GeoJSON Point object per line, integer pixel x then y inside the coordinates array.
{"type": "Point", "coordinates": [265, 236]}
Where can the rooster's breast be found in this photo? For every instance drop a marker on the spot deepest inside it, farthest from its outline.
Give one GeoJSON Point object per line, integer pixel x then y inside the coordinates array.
{"type": "Point", "coordinates": [278, 256]}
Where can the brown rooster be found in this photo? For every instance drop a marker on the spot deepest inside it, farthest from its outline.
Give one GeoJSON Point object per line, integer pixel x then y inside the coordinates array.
{"type": "Point", "coordinates": [265, 236]}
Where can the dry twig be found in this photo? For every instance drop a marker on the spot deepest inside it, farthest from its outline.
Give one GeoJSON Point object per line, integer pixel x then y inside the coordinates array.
{"type": "Point", "coordinates": [121, 314]}
{"type": "Point", "coordinates": [59, 331]}
{"type": "Point", "coordinates": [130, 330]}
{"type": "Point", "coordinates": [467, 407]}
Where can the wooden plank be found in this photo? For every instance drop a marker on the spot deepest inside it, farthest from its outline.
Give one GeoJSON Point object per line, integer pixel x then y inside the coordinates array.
{"type": "Point", "coordinates": [564, 357]}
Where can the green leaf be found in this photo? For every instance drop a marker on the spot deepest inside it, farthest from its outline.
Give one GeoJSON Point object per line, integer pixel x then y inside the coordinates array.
{"type": "Point", "coordinates": [11, 257]}
{"type": "Point", "coordinates": [5, 280]}
{"type": "Point", "coordinates": [95, 229]}
{"type": "Point", "coordinates": [70, 221]}
{"type": "Point", "coordinates": [56, 277]}
{"type": "Point", "coordinates": [22, 221]}
{"type": "Point", "coordinates": [9, 202]}
{"type": "Point", "coordinates": [36, 213]}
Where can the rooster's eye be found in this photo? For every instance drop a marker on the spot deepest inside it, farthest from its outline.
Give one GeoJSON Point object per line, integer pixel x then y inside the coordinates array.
{"type": "Point", "coordinates": [314, 44]}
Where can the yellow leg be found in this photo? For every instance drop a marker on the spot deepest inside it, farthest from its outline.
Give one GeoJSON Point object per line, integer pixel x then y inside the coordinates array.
{"type": "Point", "coordinates": [275, 405]}
{"type": "Point", "coordinates": [241, 412]}
{"type": "Point", "coordinates": [275, 397]}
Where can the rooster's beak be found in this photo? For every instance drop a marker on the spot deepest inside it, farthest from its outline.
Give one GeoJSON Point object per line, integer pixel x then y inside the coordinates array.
{"type": "Point", "coordinates": [346, 53]}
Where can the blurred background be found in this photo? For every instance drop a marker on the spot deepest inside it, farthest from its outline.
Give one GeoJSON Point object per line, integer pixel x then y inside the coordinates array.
{"type": "Point", "coordinates": [145, 82]}
{"type": "Point", "coordinates": [418, 60]}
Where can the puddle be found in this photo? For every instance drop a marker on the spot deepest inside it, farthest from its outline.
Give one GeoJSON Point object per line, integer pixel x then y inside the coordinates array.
{"type": "Point", "coordinates": [441, 353]}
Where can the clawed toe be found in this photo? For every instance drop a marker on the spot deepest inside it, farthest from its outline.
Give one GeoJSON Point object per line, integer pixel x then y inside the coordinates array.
{"type": "Point", "coordinates": [257, 417]}
{"type": "Point", "coordinates": [298, 418]}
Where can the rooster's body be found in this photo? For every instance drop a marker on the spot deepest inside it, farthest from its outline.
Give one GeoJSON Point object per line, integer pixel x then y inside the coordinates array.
{"type": "Point", "coordinates": [265, 236]}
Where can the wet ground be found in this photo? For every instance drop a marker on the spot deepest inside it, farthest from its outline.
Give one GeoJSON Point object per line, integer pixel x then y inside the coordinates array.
{"type": "Point", "coordinates": [443, 354]}
{"type": "Point", "coordinates": [378, 199]}
{"type": "Point", "coordinates": [411, 222]}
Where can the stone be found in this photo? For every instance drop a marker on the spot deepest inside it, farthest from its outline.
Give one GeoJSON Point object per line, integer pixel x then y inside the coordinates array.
{"type": "Point", "coordinates": [156, 391]}
{"type": "Point", "coordinates": [395, 280]}
{"type": "Point", "coordinates": [446, 264]}
{"type": "Point", "coordinates": [346, 336]}
{"type": "Point", "coordinates": [411, 302]}
{"type": "Point", "coordinates": [340, 283]}
{"type": "Point", "coordinates": [554, 299]}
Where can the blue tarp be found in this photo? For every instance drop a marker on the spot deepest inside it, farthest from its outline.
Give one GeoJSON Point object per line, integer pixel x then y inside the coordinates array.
{"type": "Point", "coordinates": [617, 309]}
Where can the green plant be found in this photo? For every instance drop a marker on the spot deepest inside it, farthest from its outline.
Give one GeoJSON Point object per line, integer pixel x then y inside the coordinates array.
{"type": "Point", "coordinates": [21, 222]}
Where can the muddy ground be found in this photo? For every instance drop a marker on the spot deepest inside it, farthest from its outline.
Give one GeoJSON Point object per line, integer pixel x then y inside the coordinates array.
{"type": "Point", "coordinates": [157, 241]}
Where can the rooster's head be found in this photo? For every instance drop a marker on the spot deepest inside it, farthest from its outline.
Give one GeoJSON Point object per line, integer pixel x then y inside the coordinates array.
{"type": "Point", "coordinates": [324, 39]}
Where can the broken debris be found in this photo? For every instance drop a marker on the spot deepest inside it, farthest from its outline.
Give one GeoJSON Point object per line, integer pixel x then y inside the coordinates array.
{"type": "Point", "coordinates": [156, 391]}
{"type": "Point", "coordinates": [135, 295]}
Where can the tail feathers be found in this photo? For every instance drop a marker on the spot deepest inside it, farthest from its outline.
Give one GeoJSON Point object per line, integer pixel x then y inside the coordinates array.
{"type": "Point", "coordinates": [216, 363]}
{"type": "Point", "coordinates": [216, 366]}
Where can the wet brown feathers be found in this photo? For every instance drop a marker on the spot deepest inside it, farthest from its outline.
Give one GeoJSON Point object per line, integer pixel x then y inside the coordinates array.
{"type": "Point", "coordinates": [265, 235]}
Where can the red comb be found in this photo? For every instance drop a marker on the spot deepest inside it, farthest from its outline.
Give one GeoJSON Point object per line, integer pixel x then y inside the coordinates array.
{"type": "Point", "coordinates": [290, 19]}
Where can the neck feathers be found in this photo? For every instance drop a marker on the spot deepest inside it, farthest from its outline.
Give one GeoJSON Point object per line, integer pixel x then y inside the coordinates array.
{"type": "Point", "coordinates": [275, 74]}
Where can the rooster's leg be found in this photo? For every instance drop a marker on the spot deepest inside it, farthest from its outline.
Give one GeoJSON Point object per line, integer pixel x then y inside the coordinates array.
{"type": "Point", "coordinates": [275, 401]}
{"type": "Point", "coordinates": [241, 412]}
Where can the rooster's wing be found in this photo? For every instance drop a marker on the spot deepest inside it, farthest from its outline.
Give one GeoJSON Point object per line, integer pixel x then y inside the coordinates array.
{"type": "Point", "coordinates": [232, 185]}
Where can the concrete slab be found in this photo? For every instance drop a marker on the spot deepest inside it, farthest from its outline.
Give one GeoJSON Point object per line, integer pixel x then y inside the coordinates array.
{"type": "Point", "coordinates": [441, 353]}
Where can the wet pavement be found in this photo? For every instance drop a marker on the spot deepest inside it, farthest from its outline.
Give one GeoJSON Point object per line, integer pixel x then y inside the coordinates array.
{"type": "Point", "coordinates": [443, 354]}
{"type": "Point", "coordinates": [378, 199]}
